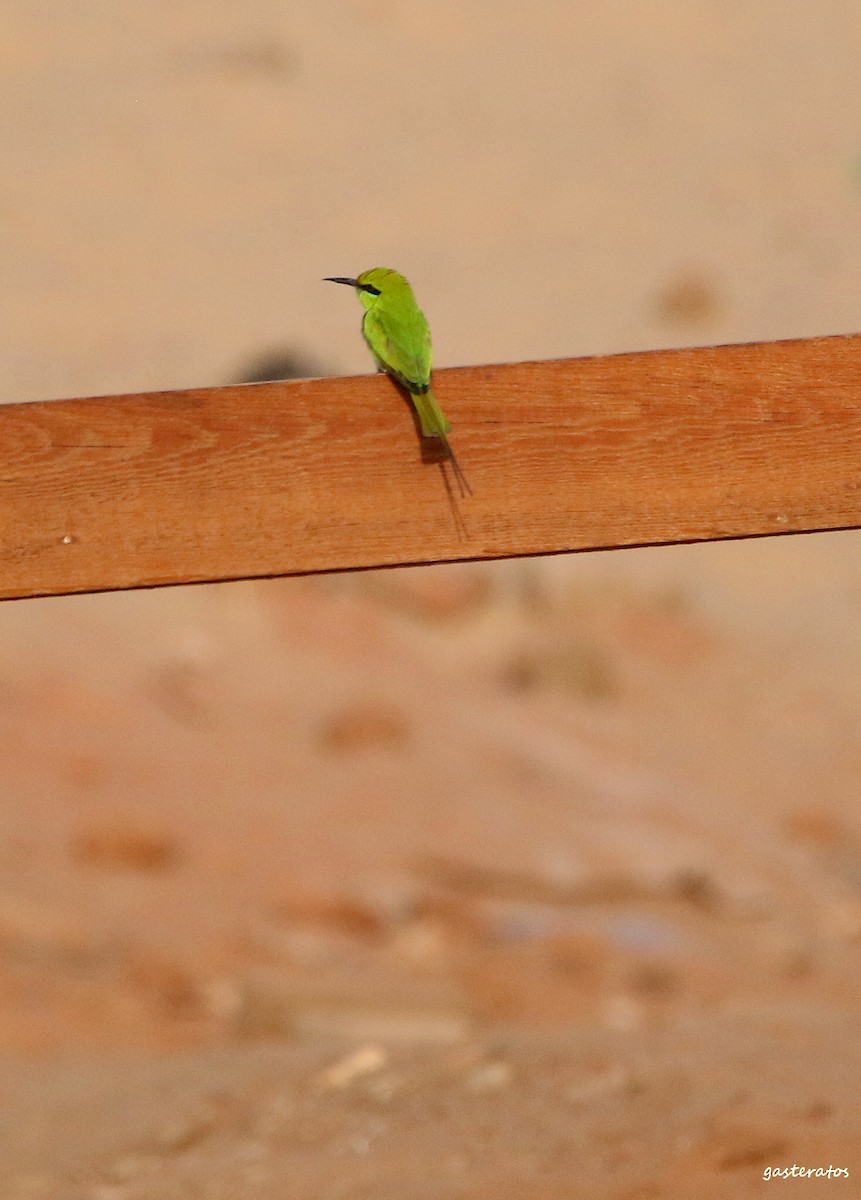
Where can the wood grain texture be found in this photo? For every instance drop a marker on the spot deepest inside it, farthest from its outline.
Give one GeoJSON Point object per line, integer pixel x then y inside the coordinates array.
{"type": "Point", "coordinates": [329, 474]}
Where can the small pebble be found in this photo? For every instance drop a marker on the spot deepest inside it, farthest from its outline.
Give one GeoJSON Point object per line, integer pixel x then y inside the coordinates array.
{"type": "Point", "coordinates": [364, 1061]}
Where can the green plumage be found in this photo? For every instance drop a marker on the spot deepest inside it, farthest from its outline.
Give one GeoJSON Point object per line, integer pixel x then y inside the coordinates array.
{"type": "Point", "coordinates": [399, 339]}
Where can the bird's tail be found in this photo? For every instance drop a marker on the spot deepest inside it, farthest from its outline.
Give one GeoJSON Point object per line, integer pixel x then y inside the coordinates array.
{"type": "Point", "coordinates": [434, 423]}
{"type": "Point", "coordinates": [433, 420]}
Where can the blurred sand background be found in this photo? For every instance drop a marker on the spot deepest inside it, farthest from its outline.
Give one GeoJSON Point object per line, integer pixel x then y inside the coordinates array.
{"type": "Point", "coordinates": [509, 880]}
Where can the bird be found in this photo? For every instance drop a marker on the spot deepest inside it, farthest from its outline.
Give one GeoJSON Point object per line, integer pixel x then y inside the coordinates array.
{"type": "Point", "coordinates": [398, 337]}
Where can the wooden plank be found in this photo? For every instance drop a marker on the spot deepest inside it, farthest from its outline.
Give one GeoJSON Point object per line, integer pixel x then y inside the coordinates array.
{"type": "Point", "coordinates": [328, 474]}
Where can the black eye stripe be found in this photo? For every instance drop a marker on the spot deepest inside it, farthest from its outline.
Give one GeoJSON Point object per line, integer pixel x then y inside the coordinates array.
{"type": "Point", "coordinates": [367, 287]}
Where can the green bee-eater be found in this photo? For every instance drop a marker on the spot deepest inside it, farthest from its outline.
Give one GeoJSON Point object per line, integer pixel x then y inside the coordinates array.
{"type": "Point", "coordinates": [399, 339]}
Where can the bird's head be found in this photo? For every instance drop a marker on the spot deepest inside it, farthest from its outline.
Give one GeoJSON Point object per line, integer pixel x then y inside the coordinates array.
{"type": "Point", "coordinates": [371, 284]}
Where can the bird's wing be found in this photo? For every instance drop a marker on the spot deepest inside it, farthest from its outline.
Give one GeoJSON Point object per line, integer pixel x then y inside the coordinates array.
{"type": "Point", "coordinates": [401, 349]}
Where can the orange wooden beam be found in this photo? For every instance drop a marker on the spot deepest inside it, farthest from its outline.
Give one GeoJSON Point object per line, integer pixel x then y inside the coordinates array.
{"type": "Point", "coordinates": [328, 474]}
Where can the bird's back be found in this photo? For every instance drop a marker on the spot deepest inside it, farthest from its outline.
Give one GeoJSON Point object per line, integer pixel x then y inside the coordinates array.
{"type": "Point", "coordinates": [398, 334]}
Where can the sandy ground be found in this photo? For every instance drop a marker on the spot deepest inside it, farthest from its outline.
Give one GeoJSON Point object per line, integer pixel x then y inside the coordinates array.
{"type": "Point", "coordinates": [515, 880]}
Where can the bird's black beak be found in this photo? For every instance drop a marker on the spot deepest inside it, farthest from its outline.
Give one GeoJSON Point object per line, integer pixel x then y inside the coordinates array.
{"type": "Point", "coordinates": [341, 279]}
